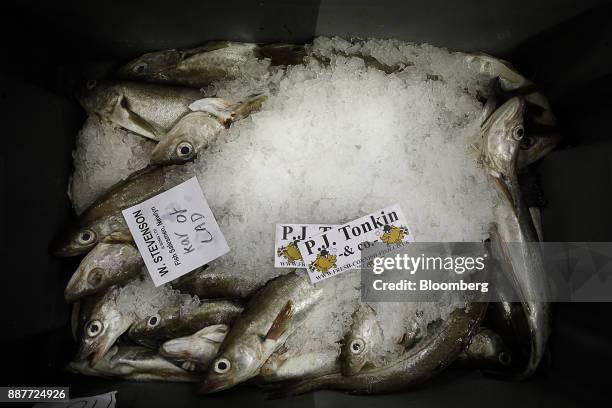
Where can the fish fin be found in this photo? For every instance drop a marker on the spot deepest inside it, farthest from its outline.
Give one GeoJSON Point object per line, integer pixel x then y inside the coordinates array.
{"type": "Point", "coordinates": [281, 322]}
{"type": "Point", "coordinates": [218, 107]}
{"type": "Point", "coordinates": [250, 105]}
{"type": "Point", "coordinates": [125, 117]}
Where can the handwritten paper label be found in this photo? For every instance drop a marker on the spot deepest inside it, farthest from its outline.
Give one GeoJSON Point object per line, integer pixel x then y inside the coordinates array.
{"type": "Point", "coordinates": [339, 249]}
{"type": "Point", "coordinates": [175, 232]}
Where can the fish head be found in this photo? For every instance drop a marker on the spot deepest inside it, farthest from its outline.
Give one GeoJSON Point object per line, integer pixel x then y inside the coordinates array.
{"type": "Point", "coordinates": [148, 329]}
{"type": "Point", "coordinates": [76, 241]}
{"type": "Point", "coordinates": [233, 365]}
{"type": "Point", "coordinates": [97, 96]}
{"type": "Point", "coordinates": [534, 147]}
{"type": "Point", "coordinates": [104, 326]}
{"type": "Point", "coordinates": [83, 282]}
{"type": "Point", "coordinates": [502, 134]}
{"type": "Point", "coordinates": [101, 267]}
{"type": "Point", "coordinates": [89, 276]}
{"type": "Point", "coordinates": [151, 65]}
{"type": "Point", "coordinates": [360, 343]}
{"type": "Point", "coordinates": [189, 135]}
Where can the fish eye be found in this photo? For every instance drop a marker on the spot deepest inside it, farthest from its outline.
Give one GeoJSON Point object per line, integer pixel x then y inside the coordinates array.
{"type": "Point", "coordinates": [86, 237]}
{"type": "Point", "coordinates": [518, 133]}
{"type": "Point", "coordinates": [95, 276]}
{"type": "Point", "coordinates": [357, 346]}
{"type": "Point", "coordinates": [94, 328]}
{"type": "Point", "coordinates": [222, 365]}
{"type": "Point", "coordinates": [505, 358]}
{"type": "Point", "coordinates": [91, 84]}
{"type": "Point", "coordinates": [140, 68]}
{"type": "Point", "coordinates": [153, 320]}
{"type": "Point", "coordinates": [184, 150]}
{"type": "Point", "coordinates": [527, 142]}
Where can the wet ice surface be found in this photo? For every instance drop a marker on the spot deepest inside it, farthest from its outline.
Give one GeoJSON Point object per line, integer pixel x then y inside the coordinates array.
{"type": "Point", "coordinates": [338, 138]}
{"type": "Point", "coordinates": [104, 155]}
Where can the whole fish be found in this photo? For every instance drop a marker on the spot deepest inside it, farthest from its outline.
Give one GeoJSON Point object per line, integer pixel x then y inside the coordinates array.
{"type": "Point", "coordinates": [104, 325]}
{"type": "Point", "coordinates": [199, 67]}
{"type": "Point", "coordinates": [180, 321]}
{"type": "Point", "coordinates": [103, 221]}
{"type": "Point", "coordinates": [486, 350]}
{"type": "Point", "coordinates": [133, 363]}
{"type": "Point", "coordinates": [284, 364]}
{"type": "Point", "coordinates": [431, 354]}
{"type": "Point", "coordinates": [502, 134]}
{"type": "Point", "coordinates": [104, 266]}
{"type": "Point", "coordinates": [270, 317]}
{"type": "Point", "coordinates": [208, 284]}
{"type": "Point", "coordinates": [198, 350]}
{"type": "Point", "coordinates": [196, 130]}
{"type": "Point", "coordinates": [148, 110]}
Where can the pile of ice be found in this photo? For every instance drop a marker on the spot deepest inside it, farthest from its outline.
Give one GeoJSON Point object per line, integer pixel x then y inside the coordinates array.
{"type": "Point", "coordinates": [341, 139]}
{"type": "Point", "coordinates": [357, 127]}
{"type": "Point", "coordinates": [104, 155]}
{"type": "Point", "coordinates": [142, 299]}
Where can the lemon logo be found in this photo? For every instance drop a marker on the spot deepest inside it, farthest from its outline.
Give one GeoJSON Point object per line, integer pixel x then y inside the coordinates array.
{"type": "Point", "coordinates": [393, 235]}
{"type": "Point", "coordinates": [323, 262]}
{"type": "Point", "coordinates": [290, 252]}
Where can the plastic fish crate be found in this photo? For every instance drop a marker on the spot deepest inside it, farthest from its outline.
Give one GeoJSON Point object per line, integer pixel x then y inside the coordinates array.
{"type": "Point", "coordinates": [563, 45]}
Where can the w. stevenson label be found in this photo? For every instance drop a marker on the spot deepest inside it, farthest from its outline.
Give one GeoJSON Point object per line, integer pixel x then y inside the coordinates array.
{"type": "Point", "coordinates": [339, 249]}
{"type": "Point", "coordinates": [175, 232]}
{"type": "Point", "coordinates": [286, 252]}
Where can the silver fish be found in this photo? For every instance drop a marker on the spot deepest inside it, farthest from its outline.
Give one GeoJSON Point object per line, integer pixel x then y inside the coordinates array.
{"type": "Point", "coordinates": [222, 60]}
{"type": "Point", "coordinates": [103, 220]}
{"type": "Point", "coordinates": [198, 350]}
{"type": "Point", "coordinates": [430, 355]}
{"type": "Point", "coordinates": [104, 266]}
{"type": "Point", "coordinates": [133, 363]}
{"type": "Point", "coordinates": [208, 284]}
{"type": "Point", "coordinates": [270, 317]}
{"type": "Point", "coordinates": [148, 110]}
{"type": "Point", "coordinates": [502, 135]}
{"type": "Point", "coordinates": [104, 325]}
{"type": "Point", "coordinates": [195, 131]}
{"type": "Point", "coordinates": [179, 321]}
{"type": "Point", "coordinates": [486, 350]}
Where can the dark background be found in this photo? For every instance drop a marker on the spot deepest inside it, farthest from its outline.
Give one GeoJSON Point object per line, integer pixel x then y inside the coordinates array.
{"type": "Point", "coordinates": [565, 46]}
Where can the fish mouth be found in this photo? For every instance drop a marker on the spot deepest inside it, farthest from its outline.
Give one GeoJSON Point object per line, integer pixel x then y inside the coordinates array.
{"type": "Point", "coordinates": [62, 249]}
{"type": "Point", "coordinates": [64, 246]}
{"type": "Point", "coordinates": [209, 386]}
{"type": "Point", "coordinates": [92, 353]}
